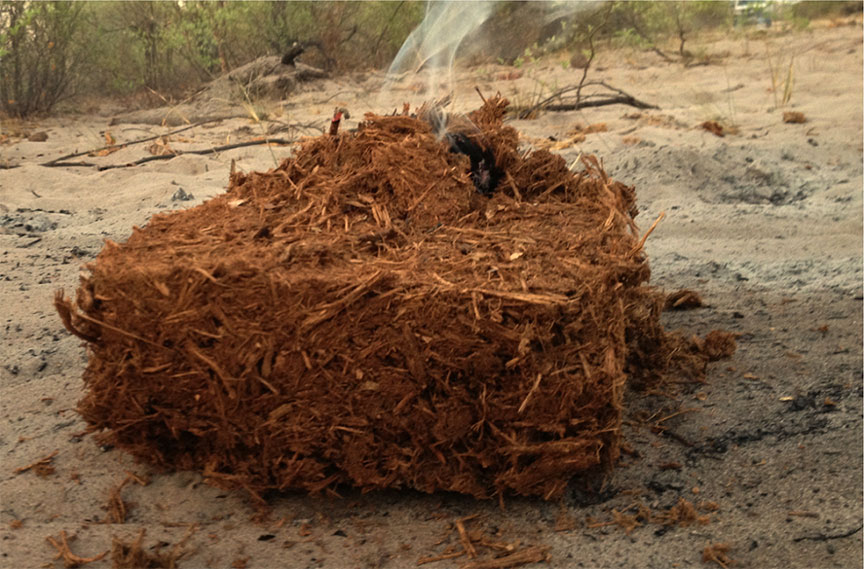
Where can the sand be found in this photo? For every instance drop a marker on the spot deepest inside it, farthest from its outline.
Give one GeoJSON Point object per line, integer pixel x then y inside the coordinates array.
{"type": "Point", "coordinates": [766, 223]}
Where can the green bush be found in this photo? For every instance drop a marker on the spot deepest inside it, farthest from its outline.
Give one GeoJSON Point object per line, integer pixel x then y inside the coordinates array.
{"type": "Point", "coordinates": [641, 25]}
{"type": "Point", "coordinates": [645, 24]}
{"type": "Point", "coordinates": [338, 35]}
{"type": "Point", "coordinates": [811, 9]}
{"type": "Point", "coordinates": [168, 48]}
{"type": "Point", "coordinates": [41, 51]}
{"type": "Point", "coordinates": [137, 45]}
{"type": "Point", "coordinates": [171, 47]}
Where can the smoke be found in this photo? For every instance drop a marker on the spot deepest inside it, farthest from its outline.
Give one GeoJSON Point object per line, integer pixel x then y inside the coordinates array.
{"type": "Point", "coordinates": [425, 62]}
{"type": "Point", "coordinates": [427, 58]}
{"type": "Point", "coordinates": [433, 44]}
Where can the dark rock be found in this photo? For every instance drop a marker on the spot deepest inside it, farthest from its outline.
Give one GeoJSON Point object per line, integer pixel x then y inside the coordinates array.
{"type": "Point", "coordinates": [181, 196]}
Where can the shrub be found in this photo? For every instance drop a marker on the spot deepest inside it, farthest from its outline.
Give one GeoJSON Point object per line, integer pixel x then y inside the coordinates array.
{"type": "Point", "coordinates": [41, 49]}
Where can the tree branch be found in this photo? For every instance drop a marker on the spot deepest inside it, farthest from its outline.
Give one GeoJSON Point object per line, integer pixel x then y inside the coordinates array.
{"type": "Point", "coordinates": [55, 162]}
{"type": "Point", "coordinates": [822, 537]}
{"type": "Point", "coordinates": [146, 159]}
{"type": "Point", "coordinates": [581, 102]}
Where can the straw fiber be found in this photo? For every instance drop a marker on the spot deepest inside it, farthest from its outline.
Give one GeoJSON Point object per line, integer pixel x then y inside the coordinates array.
{"type": "Point", "coordinates": [362, 315]}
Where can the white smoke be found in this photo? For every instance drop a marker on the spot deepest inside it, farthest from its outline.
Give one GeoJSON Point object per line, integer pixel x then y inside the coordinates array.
{"type": "Point", "coordinates": [433, 44]}
{"type": "Point", "coordinates": [425, 62]}
{"type": "Point", "coordinates": [427, 57]}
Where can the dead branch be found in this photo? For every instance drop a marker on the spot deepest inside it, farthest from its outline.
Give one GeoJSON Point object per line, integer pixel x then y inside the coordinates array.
{"type": "Point", "coordinates": [130, 143]}
{"type": "Point", "coordinates": [592, 30]}
{"type": "Point", "coordinates": [823, 537]}
{"type": "Point", "coordinates": [59, 160]}
{"type": "Point", "coordinates": [633, 102]}
{"type": "Point", "coordinates": [581, 102]}
{"type": "Point", "coordinates": [174, 154]}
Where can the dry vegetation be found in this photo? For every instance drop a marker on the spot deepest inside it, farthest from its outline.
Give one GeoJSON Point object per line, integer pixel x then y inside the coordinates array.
{"type": "Point", "coordinates": [366, 280]}
{"type": "Point", "coordinates": [153, 52]}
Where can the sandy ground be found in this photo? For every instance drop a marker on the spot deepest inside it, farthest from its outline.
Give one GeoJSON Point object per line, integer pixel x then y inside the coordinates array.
{"type": "Point", "coordinates": [765, 223]}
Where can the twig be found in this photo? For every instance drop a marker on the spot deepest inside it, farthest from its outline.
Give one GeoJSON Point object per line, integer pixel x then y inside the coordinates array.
{"type": "Point", "coordinates": [41, 466]}
{"type": "Point", "coordinates": [116, 506]}
{"type": "Point", "coordinates": [386, 27]}
{"type": "Point", "coordinates": [675, 436]}
{"type": "Point", "coordinates": [802, 514]}
{"type": "Point", "coordinates": [482, 98]}
{"type": "Point", "coordinates": [529, 555]}
{"type": "Point", "coordinates": [176, 552]}
{"type": "Point", "coordinates": [718, 553]}
{"type": "Point", "coordinates": [69, 558]}
{"type": "Point", "coordinates": [530, 393]}
{"type": "Point", "coordinates": [137, 479]}
{"type": "Point", "coordinates": [466, 541]}
{"type": "Point", "coordinates": [67, 311]}
{"type": "Point", "coordinates": [298, 126]}
{"type": "Point", "coordinates": [130, 143]}
{"type": "Point", "coordinates": [665, 57]}
{"type": "Point", "coordinates": [425, 560]}
{"type": "Point", "coordinates": [250, 108]}
{"type": "Point", "coordinates": [624, 98]}
{"type": "Point", "coordinates": [634, 24]}
{"type": "Point", "coordinates": [133, 555]}
{"type": "Point", "coordinates": [544, 103]}
{"type": "Point", "coordinates": [176, 153]}
{"type": "Point", "coordinates": [641, 243]}
{"type": "Point", "coordinates": [681, 32]}
{"type": "Point", "coordinates": [591, 31]}
{"type": "Point", "coordinates": [822, 537]}
{"type": "Point", "coordinates": [675, 414]}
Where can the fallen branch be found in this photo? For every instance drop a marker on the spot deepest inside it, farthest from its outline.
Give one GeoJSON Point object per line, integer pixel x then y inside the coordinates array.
{"type": "Point", "coordinates": [624, 100]}
{"type": "Point", "coordinates": [130, 143]}
{"type": "Point", "coordinates": [593, 100]}
{"type": "Point", "coordinates": [822, 537]}
{"type": "Point", "coordinates": [174, 154]}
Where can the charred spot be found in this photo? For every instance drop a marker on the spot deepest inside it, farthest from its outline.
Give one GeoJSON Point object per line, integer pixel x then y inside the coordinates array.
{"type": "Point", "coordinates": [484, 171]}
